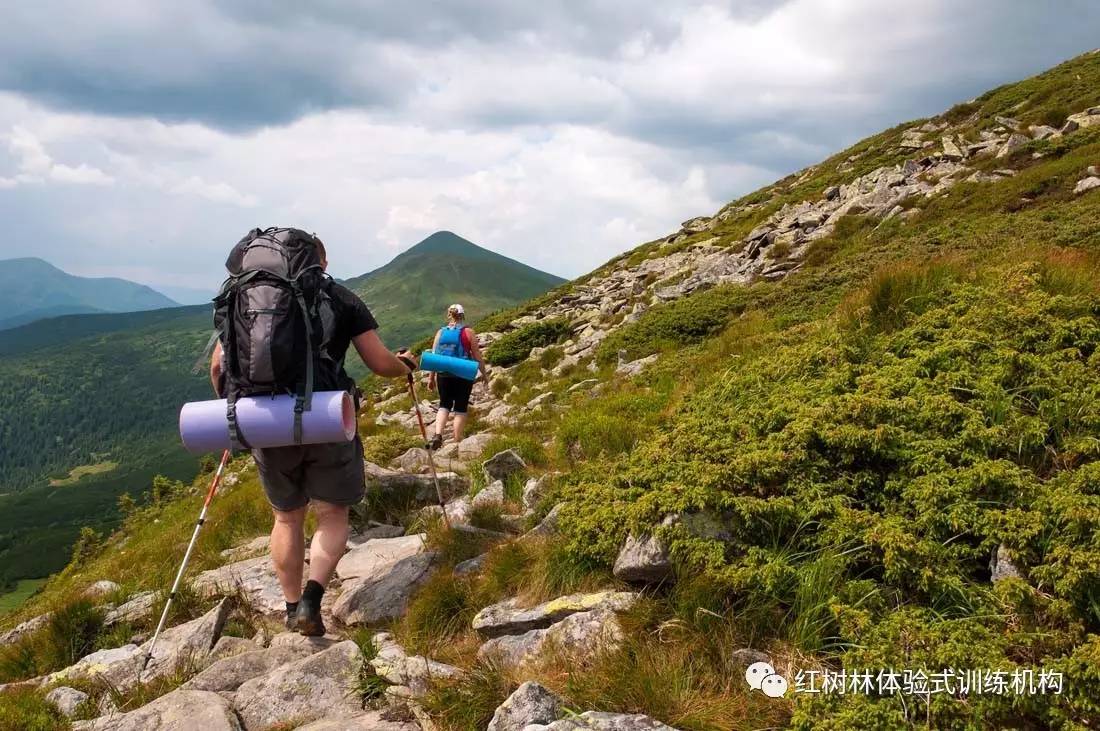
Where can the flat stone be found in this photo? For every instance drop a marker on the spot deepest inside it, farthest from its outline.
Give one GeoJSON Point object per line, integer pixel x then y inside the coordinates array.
{"type": "Point", "coordinates": [248, 549]}
{"type": "Point", "coordinates": [472, 446]}
{"type": "Point", "coordinates": [378, 555]}
{"type": "Point", "coordinates": [369, 721]}
{"type": "Point", "coordinates": [530, 703]}
{"type": "Point", "coordinates": [66, 699]}
{"type": "Point", "coordinates": [385, 595]}
{"type": "Point", "coordinates": [254, 578]}
{"type": "Point", "coordinates": [228, 674]}
{"type": "Point", "coordinates": [506, 618]}
{"type": "Point", "coordinates": [548, 526]}
{"type": "Point", "coordinates": [470, 566]}
{"type": "Point", "coordinates": [227, 646]}
{"type": "Point", "coordinates": [420, 488]}
{"type": "Point", "coordinates": [180, 710]}
{"type": "Point", "coordinates": [24, 628]}
{"type": "Point", "coordinates": [372, 530]}
{"type": "Point", "coordinates": [415, 672]}
{"type": "Point", "coordinates": [1086, 184]}
{"type": "Point", "coordinates": [579, 637]}
{"type": "Point", "coordinates": [302, 691]}
{"type": "Point", "coordinates": [118, 666]}
{"type": "Point", "coordinates": [601, 721]}
{"type": "Point", "coordinates": [137, 607]}
{"type": "Point", "coordinates": [503, 464]}
{"type": "Point", "coordinates": [308, 645]}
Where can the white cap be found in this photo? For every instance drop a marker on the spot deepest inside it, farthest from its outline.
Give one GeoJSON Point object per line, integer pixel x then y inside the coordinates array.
{"type": "Point", "coordinates": [456, 308]}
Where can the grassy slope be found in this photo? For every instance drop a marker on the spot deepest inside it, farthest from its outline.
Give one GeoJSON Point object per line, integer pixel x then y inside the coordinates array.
{"type": "Point", "coordinates": [874, 425]}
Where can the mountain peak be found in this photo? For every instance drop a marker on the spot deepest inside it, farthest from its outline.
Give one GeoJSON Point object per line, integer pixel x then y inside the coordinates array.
{"type": "Point", "coordinates": [444, 242]}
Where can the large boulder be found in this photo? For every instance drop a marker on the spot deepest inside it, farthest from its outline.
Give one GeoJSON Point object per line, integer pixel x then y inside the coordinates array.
{"type": "Point", "coordinates": [67, 699]}
{"type": "Point", "coordinates": [643, 559]}
{"type": "Point", "coordinates": [136, 607]}
{"type": "Point", "coordinates": [506, 618]}
{"type": "Point", "coordinates": [378, 555]}
{"type": "Point", "coordinates": [117, 666]}
{"type": "Point", "coordinates": [254, 578]}
{"type": "Point", "coordinates": [24, 628]}
{"type": "Point", "coordinates": [530, 703]}
{"type": "Point", "coordinates": [1086, 184]}
{"type": "Point", "coordinates": [305, 690]}
{"type": "Point", "coordinates": [579, 637]}
{"type": "Point", "coordinates": [385, 595]}
{"type": "Point", "coordinates": [503, 465]}
{"type": "Point", "coordinates": [180, 710]}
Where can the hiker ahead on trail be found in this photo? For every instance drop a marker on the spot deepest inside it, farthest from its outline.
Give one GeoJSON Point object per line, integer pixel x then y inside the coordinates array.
{"type": "Point", "coordinates": [284, 326]}
{"type": "Point", "coordinates": [457, 340]}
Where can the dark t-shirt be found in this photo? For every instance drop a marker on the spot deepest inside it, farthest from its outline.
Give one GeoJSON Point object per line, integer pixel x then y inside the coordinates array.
{"type": "Point", "coordinates": [351, 317]}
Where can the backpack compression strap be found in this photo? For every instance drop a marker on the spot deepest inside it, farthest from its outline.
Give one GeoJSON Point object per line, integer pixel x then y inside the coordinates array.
{"type": "Point", "coordinates": [304, 399]}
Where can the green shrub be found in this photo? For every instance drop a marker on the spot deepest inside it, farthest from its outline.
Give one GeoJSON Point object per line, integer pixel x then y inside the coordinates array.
{"type": "Point", "coordinates": [388, 445]}
{"type": "Point", "coordinates": [526, 446]}
{"type": "Point", "coordinates": [516, 345]}
{"type": "Point", "coordinates": [70, 634]}
{"type": "Point", "coordinates": [609, 426]}
{"type": "Point", "coordinates": [685, 321]}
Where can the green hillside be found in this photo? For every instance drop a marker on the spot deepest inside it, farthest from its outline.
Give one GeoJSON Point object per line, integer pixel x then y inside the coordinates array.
{"type": "Point", "coordinates": [31, 288]}
{"type": "Point", "coordinates": [410, 295]}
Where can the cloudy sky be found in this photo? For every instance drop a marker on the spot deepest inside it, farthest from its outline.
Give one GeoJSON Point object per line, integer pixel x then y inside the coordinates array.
{"type": "Point", "coordinates": [141, 138]}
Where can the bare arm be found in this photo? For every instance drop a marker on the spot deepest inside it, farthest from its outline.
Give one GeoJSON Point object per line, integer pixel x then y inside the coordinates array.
{"type": "Point", "coordinates": [216, 367]}
{"type": "Point", "coordinates": [377, 357]}
{"type": "Point", "coordinates": [475, 351]}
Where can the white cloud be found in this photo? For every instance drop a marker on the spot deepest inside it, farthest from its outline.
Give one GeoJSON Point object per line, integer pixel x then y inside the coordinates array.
{"type": "Point", "coordinates": [35, 165]}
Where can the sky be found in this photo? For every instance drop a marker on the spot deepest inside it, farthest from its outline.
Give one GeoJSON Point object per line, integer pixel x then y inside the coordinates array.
{"type": "Point", "coordinates": [142, 138]}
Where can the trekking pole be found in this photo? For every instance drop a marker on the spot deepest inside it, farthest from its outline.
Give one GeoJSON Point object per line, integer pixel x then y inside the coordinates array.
{"type": "Point", "coordinates": [186, 556]}
{"type": "Point", "coordinates": [431, 459]}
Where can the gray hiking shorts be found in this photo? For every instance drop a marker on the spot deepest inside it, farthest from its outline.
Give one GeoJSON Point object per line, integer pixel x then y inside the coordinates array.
{"type": "Point", "coordinates": [293, 476]}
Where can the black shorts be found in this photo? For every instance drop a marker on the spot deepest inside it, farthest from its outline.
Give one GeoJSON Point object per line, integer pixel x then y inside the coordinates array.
{"type": "Point", "coordinates": [454, 393]}
{"type": "Point", "coordinates": [331, 473]}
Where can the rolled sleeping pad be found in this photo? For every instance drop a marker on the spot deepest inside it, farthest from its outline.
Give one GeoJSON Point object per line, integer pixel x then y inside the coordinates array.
{"type": "Point", "coordinates": [267, 421]}
{"type": "Point", "coordinates": [461, 367]}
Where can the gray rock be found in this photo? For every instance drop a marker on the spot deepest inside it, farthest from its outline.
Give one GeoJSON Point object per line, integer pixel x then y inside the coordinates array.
{"type": "Point", "coordinates": [308, 645]}
{"type": "Point", "coordinates": [493, 494]}
{"type": "Point", "coordinates": [643, 559]}
{"type": "Point", "coordinates": [458, 511]}
{"type": "Point", "coordinates": [377, 556]}
{"type": "Point", "coordinates": [601, 721]}
{"type": "Point", "coordinates": [369, 721]}
{"type": "Point", "coordinates": [506, 618]}
{"type": "Point", "coordinates": [1001, 566]}
{"type": "Point", "coordinates": [180, 710]}
{"type": "Point", "coordinates": [1042, 131]}
{"type": "Point", "coordinates": [248, 549]}
{"type": "Point", "coordinates": [470, 566]}
{"type": "Point", "coordinates": [24, 628]}
{"type": "Point", "coordinates": [230, 673]}
{"type": "Point", "coordinates": [535, 490]}
{"type": "Point", "coordinates": [118, 666]}
{"type": "Point", "coordinates": [530, 703]}
{"type": "Point", "coordinates": [302, 691]}
{"type": "Point", "coordinates": [66, 699]}
{"type": "Point", "coordinates": [951, 150]}
{"type": "Point", "coordinates": [579, 637]}
{"type": "Point", "coordinates": [635, 367]}
{"type": "Point", "coordinates": [418, 488]}
{"type": "Point", "coordinates": [1013, 143]}
{"type": "Point", "coordinates": [254, 578]}
{"type": "Point", "coordinates": [101, 588]}
{"type": "Point", "coordinates": [473, 445]}
{"type": "Point", "coordinates": [503, 464]}
{"type": "Point", "coordinates": [1086, 184]}
{"type": "Point", "coordinates": [832, 192]}
{"type": "Point", "coordinates": [548, 526]}
{"type": "Point", "coordinates": [385, 595]}
{"type": "Point", "coordinates": [137, 607]}
{"type": "Point", "coordinates": [1092, 170]}
{"type": "Point", "coordinates": [187, 644]}
{"type": "Point", "coordinates": [746, 656]}
{"type": "Point", "coordinates": [372, 530]}
{"type": "Point", "coordinates": [415, 672]}
{"type": "Point", "coordinates": [228, 646]}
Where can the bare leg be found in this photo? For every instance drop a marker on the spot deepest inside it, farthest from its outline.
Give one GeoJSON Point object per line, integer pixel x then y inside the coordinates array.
{"type": "Point", "coordinates": [329, 542]}
{"type": "Point", "coordinates": [459, 425]}
{"type": "Point", "coordinates": [441, 421]}
{"type": "Point", "coordinates": [288, 551]}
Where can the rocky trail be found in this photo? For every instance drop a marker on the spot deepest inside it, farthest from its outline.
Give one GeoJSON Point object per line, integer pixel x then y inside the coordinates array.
{"type": "Point", "coordinates": [281, 680]}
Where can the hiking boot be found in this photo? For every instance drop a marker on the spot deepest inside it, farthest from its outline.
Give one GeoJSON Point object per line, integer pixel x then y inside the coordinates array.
{"type": "Point", "coordinates": [308, 619]}
{"type": "Point", "coordinates": [435, 444]}
{"type": "Point", "coordinates": [291, 615]}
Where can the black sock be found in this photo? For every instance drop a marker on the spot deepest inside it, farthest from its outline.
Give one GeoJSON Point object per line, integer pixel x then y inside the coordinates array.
{"type": "Point", "coordinates": [291, 607]}
{"type": "Point", "coordinates": [313, 591]}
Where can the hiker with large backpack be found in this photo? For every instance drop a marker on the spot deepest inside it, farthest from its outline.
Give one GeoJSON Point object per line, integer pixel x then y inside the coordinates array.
{"type": "Point", "coordinates": [457, 340]}
{"type": "Point", "coordinates": [284, 327]}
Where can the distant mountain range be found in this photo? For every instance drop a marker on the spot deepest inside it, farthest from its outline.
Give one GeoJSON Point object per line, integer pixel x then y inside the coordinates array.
{"type": "Point", "coordinates": [106, 387]}
{"type": "Point", "coordinates": [32, 289]}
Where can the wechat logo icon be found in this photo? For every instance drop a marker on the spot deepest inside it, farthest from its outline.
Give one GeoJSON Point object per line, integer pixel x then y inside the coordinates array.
{"type": "Point", "coordinates": [762, 676]}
